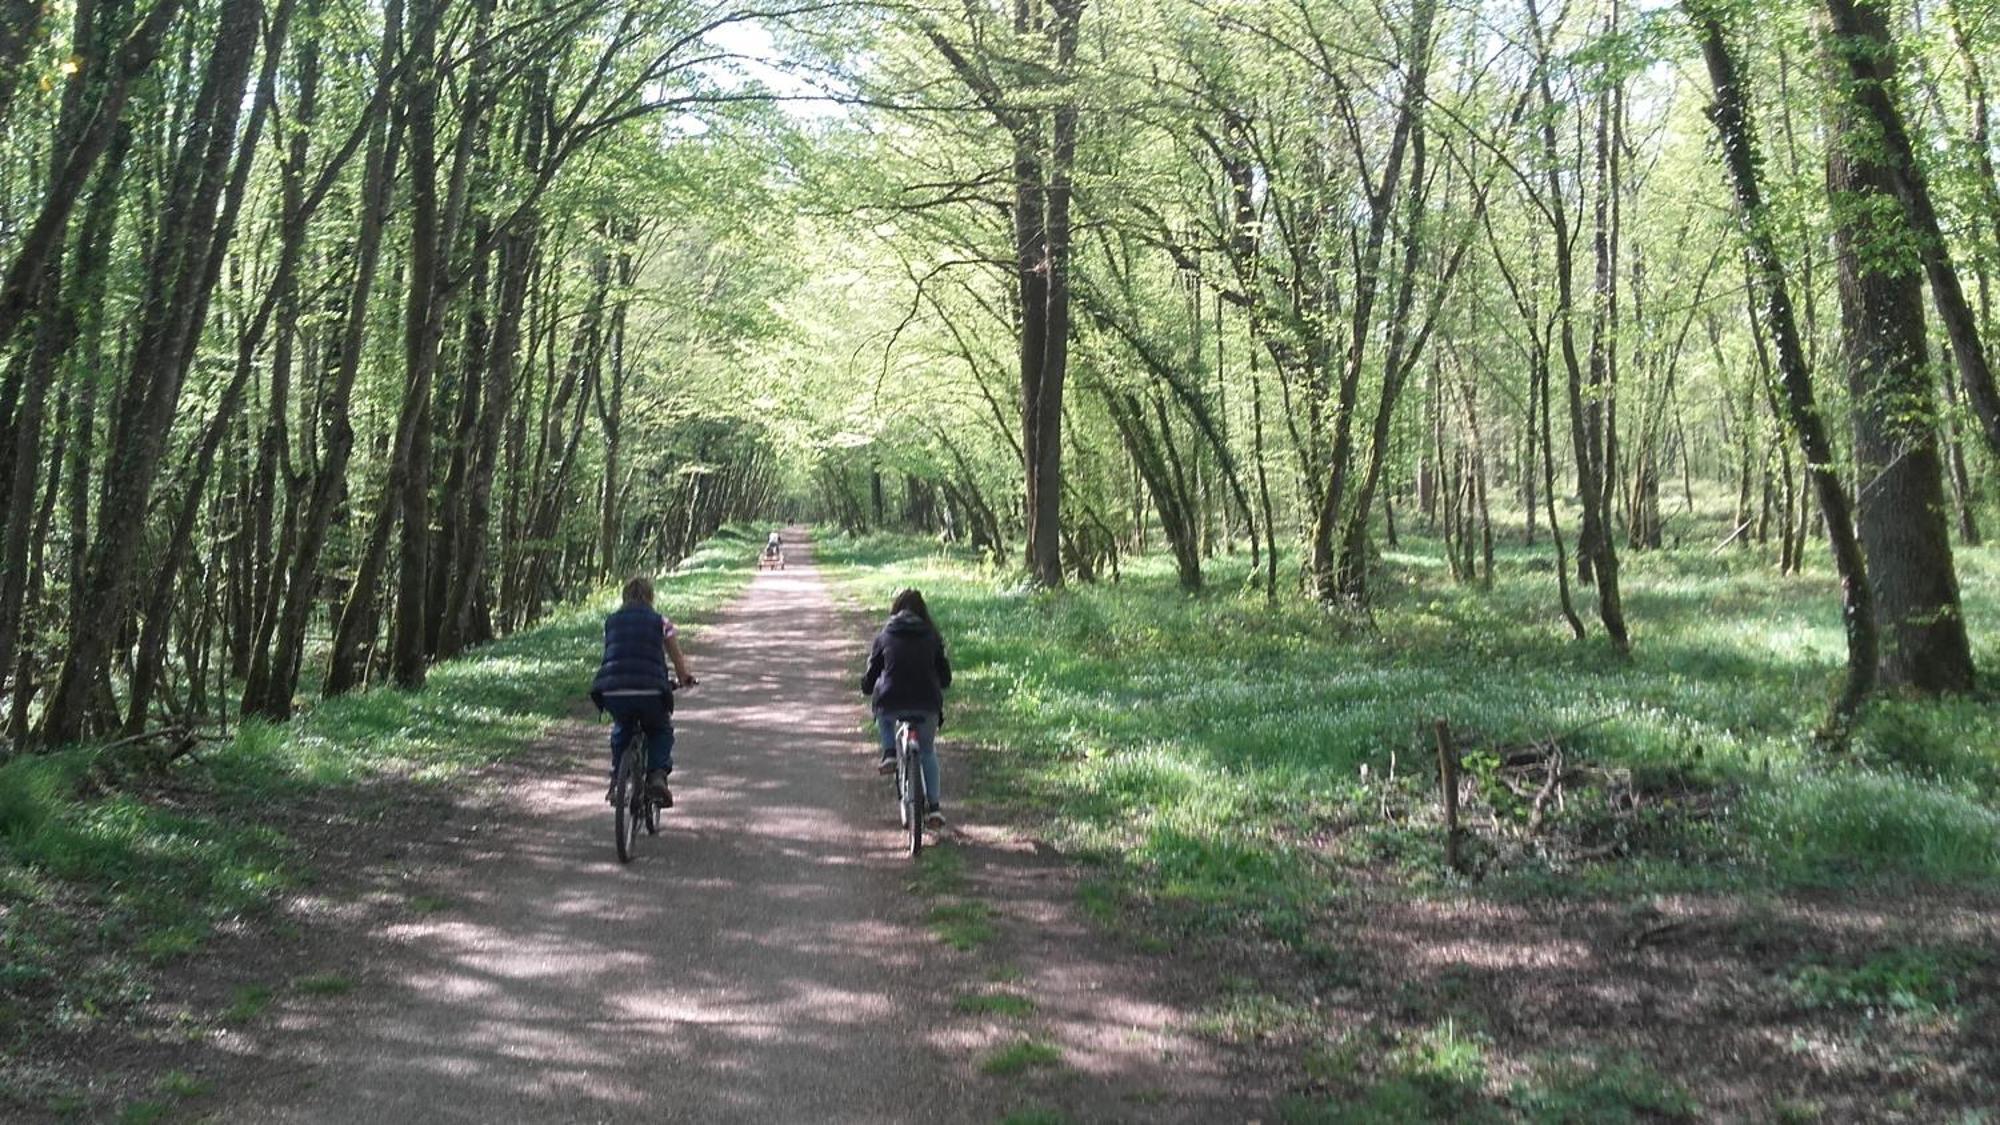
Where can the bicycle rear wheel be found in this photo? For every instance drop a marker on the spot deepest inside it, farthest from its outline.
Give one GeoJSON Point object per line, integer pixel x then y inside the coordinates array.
{"type": "Point", "coordinates": [624, 823]}
{"type": "Point", "coordinates": [913, 788]}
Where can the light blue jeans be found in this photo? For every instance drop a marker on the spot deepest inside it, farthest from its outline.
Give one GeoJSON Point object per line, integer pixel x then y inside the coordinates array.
{"type": "Point", "coordinates": [926, 725]}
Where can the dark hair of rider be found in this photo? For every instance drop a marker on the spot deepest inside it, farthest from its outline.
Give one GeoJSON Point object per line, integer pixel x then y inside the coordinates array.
{"type": "Point", "coordinates": [639, 591]}
{"type": "Point", "coordinates": [910, 600]}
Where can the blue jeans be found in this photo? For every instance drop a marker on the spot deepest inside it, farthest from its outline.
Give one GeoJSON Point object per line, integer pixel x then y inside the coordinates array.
{"type": "Point", "coordinates": [926, 724]}
{"type": "Point", "coordinates": [631, 714]}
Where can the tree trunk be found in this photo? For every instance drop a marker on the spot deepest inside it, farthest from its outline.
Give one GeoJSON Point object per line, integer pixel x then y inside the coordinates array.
{"type": "Point", "coordinates": [1861, 41]}
{"type": "Point", "coordinates": [1901, 504]}
{"type": "Point", "coordinates": [276, 659]}
{"type": "Point", "coordinates": [1731, 116]}
{"type": "Point", "coordinates": [182, 275]}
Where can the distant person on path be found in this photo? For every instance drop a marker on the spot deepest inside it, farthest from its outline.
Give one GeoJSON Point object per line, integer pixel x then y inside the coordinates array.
{"type": "Point", "coordinates": [905, 682]}
{"type": "Point", "coordinates": [633, 685]}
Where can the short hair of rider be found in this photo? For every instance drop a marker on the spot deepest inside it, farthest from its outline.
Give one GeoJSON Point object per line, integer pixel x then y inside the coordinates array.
{"type": "Point", "coordinates": [639, 591]}
{"type": "Point", "coordinates": [911, 600]}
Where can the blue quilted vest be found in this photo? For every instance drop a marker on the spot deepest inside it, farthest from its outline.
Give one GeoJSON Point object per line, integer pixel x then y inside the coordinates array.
{"type": "Point", "coordinates": [635, 653]}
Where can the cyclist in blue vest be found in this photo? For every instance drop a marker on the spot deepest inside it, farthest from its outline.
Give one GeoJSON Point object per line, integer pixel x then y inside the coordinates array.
{"type": "Point", "coordinates": [633, 685]}
{"type": "Point", "coordinates": [906, 679]}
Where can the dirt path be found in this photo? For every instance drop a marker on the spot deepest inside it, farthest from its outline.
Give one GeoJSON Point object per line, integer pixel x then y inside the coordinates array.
{"type": "Point", "coordinates": [763, 959]}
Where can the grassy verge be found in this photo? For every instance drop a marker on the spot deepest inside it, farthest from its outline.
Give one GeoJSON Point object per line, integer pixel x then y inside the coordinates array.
{"type": "Point", "coordinates": [102, 880]}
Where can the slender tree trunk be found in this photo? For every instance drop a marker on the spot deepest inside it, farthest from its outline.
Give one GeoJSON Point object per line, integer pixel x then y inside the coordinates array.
{"type": "Point", "coordinates": [1961, 479]}
{"type": "Point", "coordinates": [122, 66]}
{"type": "Point", "coordinates": [1594, 545]}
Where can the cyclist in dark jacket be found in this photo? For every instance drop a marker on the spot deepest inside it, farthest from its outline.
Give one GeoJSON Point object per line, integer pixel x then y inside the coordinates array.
{"type": "Point", "coordinates": [907, 675]}
{"type": "Point", "coordinates": [632, 683]}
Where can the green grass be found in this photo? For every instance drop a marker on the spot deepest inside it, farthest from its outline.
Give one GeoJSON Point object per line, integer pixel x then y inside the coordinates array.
{"type": "Point", "coordinates": [106, 872]}
{"type": "Point", "coordinates": [964, 925]}
{"type": "Point", "coordinates": [1439, 1074]}
{"type": "Point", "coordinates": [247, 1003]}
{"type": "Point", "coordinates": [324, 984]}
{"type": "Point", "coordinates": [144, 1112]}
{"type": "Point", "coordinates": [1234, 772]}
{"type": "Point", "coordinates": [1005, 1005]}
{"type": "Point", "coordinates": [180, 1084]}
{"type": "Point", "coordinates": [1199, 744]}
{"type": "Point", "coordinates": [1021, 1056]}
{"type": "Point", "coordinates": [1615, 1091]}
{"type": "Point", "coordinates": [940, 872]}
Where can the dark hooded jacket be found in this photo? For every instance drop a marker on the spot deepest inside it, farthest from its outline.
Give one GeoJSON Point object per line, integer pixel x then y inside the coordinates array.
{"type": "Point", "coordinates": [907, 668]}
{"type": "Point", "coordinates": [635, 654]}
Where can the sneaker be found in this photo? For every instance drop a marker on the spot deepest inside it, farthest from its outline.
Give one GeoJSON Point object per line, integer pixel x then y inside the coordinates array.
{"type": "Point", "coordinates": [886, 765]}
{"type": "Point", "coordinates": [934, 819]}
{"type": "Point", "coordinates": [657, 783]}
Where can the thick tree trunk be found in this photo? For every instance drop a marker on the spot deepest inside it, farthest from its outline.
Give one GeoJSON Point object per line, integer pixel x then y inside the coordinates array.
{"type": "Point", "coordinates": [1861, 40]}
{"type": "Point", "coordinates": [1901, 504]}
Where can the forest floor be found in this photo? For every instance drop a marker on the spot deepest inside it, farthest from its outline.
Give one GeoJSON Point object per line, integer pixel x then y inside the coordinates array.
{"type": "Point", "coordinates": [1668, 904]}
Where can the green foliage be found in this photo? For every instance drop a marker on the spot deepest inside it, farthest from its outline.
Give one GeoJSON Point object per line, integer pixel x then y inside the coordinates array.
{"type": "Point", "coordinates": [1902, 981]}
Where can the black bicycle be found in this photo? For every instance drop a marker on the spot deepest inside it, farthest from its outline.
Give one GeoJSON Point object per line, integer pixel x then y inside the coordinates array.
{"type": "Point", "coordinates": [632, 801]}
{"type": "Point", "coordinates": [910, 797]}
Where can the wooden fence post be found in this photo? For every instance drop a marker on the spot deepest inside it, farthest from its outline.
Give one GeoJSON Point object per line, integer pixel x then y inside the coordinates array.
{"type": "Point", "coordinates": [1448, 782]}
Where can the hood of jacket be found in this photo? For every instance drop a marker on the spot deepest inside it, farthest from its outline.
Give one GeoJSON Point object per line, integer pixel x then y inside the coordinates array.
{"type": "Point", "coordinates": [907, 622]}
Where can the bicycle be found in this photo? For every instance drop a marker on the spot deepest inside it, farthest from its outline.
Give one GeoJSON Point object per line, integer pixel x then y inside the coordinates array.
{"type": "Point", "coordinates": [632, 802]}
{"type": "Point", "coordinates": [910, 797]}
